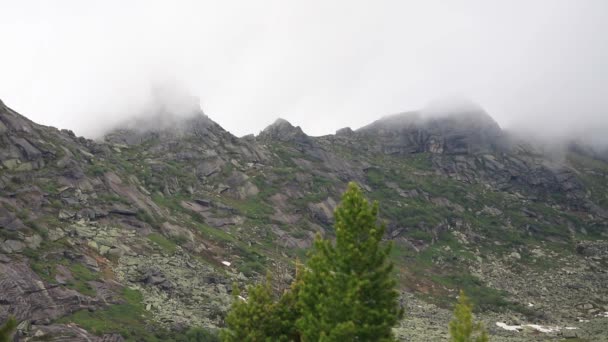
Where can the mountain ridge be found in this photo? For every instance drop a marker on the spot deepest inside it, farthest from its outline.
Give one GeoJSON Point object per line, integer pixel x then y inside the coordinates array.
{"type": "Point", "coordinates": [162, 222]}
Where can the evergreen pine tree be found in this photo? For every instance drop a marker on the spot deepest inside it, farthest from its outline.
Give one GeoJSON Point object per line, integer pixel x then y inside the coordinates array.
{"type": "Point", "coordinates": [261, 317]}
{"type": "Point", "coordinates": [462, 327]}
{"type": "Point", "coordinates": [7, 329]}
{"type": "Point", "coordinates": [347, 291]}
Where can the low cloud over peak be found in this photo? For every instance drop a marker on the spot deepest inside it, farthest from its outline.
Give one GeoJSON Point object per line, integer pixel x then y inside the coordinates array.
{"type": "Point", "coordinates": [538, 67]}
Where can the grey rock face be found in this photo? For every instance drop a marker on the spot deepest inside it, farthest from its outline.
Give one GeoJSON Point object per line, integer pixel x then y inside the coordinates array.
{"type": "Point", "coordinates": [24, 295]}
{"type": "Point", "coordinates": [12, 246]}
{"type": "Point", "coordinates": [282, 130]}
{"type": "Point", "coordinates": [448, 133]}
{"type": "Point", "coordinates": [345, 132]}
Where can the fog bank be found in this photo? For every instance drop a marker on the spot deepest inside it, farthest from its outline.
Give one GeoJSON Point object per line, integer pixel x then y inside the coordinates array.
{"type": "Point", "coordinates": [538, 67]}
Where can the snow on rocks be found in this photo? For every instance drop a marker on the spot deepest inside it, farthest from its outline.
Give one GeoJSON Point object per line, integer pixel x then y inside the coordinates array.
{"type": "Point", "coordinates": [508, 327]}
{"type": "Point", "coordinates": [539, 328]}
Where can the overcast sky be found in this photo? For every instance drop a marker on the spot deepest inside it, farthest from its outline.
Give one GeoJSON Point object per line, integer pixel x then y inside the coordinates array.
{"type": "Point", "coordinates": [323, 65]}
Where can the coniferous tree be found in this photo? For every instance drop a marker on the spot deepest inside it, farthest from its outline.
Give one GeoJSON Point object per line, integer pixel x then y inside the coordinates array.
{"type": "Point", "coordinates": [347, 291]}
{"type": "Point", "coordinates": [7, 329]}
{"type": "Point", "coordinates": [462, 326]}
{"type": "Point", "coordinates": [261, 317]}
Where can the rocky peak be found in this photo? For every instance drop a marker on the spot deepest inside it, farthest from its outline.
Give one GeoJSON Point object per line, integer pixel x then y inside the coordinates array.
{"type": "Point", "coordinates": [346, 131]}
{"type": "Point", "coordinates": [170, 113]}
{"type": "Point", "coordinates": [12, 121]}
{"type": "Point", "coordinates": [448, 131]}
{"type": "Point", "coordinates": [21, 146]}
{"type": "Point", "coordinates": [282, 130]}
{"type": "Point", "coordinates": [166, 126]}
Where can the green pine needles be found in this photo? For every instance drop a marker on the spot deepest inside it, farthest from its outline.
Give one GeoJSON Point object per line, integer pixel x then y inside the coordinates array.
{"type": "Point", "coordinates": [6, 330]}
{"type": "Point", "coordinates": [462, 327]}
{"type": "Point", "coordinates": [261, 317]}
{"type": "Point", "coordinates": [345, 292]}
{"type": "Point", "coordinates": [348, 292]}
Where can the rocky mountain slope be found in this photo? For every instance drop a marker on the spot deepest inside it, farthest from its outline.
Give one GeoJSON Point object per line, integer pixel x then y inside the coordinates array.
{"type": "Point", "coordinates": [141, 236]}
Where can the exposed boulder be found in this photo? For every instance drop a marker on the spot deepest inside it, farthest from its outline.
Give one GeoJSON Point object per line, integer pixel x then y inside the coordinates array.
{"type": "Point", "coordinates": [345, 132]}
{"type": "Point", "coordinates": [282, 130]}
{"type": "Point", "coordinates": [323, 212]}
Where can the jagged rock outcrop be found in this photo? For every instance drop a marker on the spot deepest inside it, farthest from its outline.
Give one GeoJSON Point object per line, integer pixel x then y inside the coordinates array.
{"type": "Point", "coordinates": [461, 132]}
{"type": "Point", "coordinates": [167, 127]}
{"type": "Point", "coordinates": [345, 132]}
{"type": "Point", "coordinates": [21, 143]}
{"type": "Point", "coordinates": [282, 130]}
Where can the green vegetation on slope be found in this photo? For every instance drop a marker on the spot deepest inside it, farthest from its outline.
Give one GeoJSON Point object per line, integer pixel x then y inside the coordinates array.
{"type": "Point", "coordinates": [131, 321]}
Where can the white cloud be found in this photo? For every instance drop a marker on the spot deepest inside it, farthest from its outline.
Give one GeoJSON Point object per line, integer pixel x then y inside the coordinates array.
{"type": "Point", "coordinates": [321, 64]}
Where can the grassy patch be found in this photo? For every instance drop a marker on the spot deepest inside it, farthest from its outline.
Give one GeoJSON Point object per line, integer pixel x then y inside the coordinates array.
{"type": "Point", "coordinates": [214, 233]}
{"type": "Point", "coordinates": [97, 170]}
{"type": "Point", "coordinates": [47, 270]}
{"type": "Point", "coordinates": [164, 243]}
{"type": "Point", "coordinates": [253, 209]}
{"type": "Point", "coordinates": [420, 161]}
{"type": "Point", "coordinates": [251, 268]}
{"type": "Point", "coordinates": [50, 186]}
{"type": "Point", "coordinates": [82, 275]}
{"type": "Point", "coordinates": [44, 263]}
{"type": "Point", "coordinates": [483, 297]}
{"type": "Point", "coordinates": [111, 198]}
{"type": "Point", "coordinates": [266, 187]}
{"type": "Point", "coordinates": [126, 319]}
{"type": "Point", "coordinates": [171, 203]}
{"type": "Point", "coordinates": [144, 216]}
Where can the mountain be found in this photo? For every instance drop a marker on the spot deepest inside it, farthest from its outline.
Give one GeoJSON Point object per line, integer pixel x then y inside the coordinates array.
{"type": "Point", "coordinates": [141, 236]}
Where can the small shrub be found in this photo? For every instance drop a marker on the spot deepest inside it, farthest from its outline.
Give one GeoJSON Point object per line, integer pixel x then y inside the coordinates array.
{"type": "Point", "coordinates": [462, 327]}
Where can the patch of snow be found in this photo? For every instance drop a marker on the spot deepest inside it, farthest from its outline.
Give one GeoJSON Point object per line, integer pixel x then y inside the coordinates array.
{"type": "Point", "coordinates": [536, 327]}
{"type": "Point", "coordinates": [570, 328]}
{"type": "Point", "coordinates": [226, 263]}
{"type": "Point", "coordinates": [543, 329]}
{"type": "Point", "coordinates": [508, 327]}
{"type": "Point", "coordinates": [603, 314]}
{"type": "Point", "coordinates": [530, 305]}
